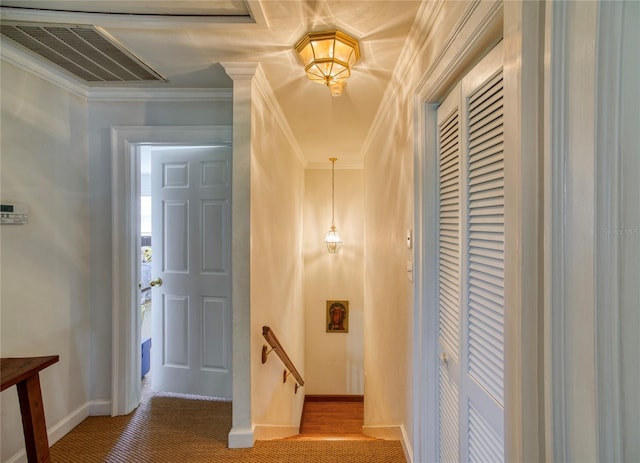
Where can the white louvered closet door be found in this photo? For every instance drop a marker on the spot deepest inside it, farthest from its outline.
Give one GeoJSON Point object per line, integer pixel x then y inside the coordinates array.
{"type": "Point", "coordinates": [449, 276]}
{"type": "Point", "coordinates": [471, 267]}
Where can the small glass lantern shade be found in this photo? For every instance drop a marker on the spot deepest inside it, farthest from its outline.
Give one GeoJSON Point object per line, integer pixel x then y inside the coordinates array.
{"type": "Point", "coordinates": [333, 240]}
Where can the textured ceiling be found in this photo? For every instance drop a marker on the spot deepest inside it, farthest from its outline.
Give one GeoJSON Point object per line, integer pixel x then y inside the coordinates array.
{"type": "Point", "coordinates": [184, 41]}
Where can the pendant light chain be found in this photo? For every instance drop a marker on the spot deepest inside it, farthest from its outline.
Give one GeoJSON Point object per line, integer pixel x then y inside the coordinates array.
{"type": "Point", "coordinates": [333, 167]}
{"type": "Point", "coordinates": [333, 239]}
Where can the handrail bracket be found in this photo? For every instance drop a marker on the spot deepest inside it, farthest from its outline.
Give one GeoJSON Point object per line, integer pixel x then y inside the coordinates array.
{"type": "Point", "coordinates": [265, 353]}
{"type": "Point", "coordinates": [290, 368]}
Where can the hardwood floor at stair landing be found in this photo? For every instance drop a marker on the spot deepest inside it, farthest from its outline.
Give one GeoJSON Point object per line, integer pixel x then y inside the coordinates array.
{"type": "Point", "coordinates": [332, 417]}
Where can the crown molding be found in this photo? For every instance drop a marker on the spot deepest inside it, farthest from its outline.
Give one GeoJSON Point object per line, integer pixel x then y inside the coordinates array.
{"type": "Point", "coordinates": [28, 62]}
{"type": "Point", "coordinates": [15, 55]}
{"type": "Point", "coordinates": [480, 15]}
{"type": "Point", "coordinates": [416, 41]}
{"type": "Point", "coordinates": [157, 94]}
{"type": "Point", "coordinates": [481, 19]}
{"type": "Point", "coordinates": [240, 70]}
{"type": "Point", "coordinates": [256, 11]}
{"type": "Point", "coordinates": [254, 19]}
{"type": "Point", "coordinates": [265, 89]}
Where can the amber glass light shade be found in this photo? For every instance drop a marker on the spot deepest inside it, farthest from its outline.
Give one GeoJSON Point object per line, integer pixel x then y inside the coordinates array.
{"type": "Point", "coordinates": [328, 57]}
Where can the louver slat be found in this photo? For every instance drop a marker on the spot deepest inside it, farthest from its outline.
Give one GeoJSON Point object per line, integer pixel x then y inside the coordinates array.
{"type": "Point", "coordinates": [29, 41]}
{"type": "Point", "coordinates": [484, 443]}
{"type": "Point", "coordinates": [76, 50]}
{"type": "Point", "coordinates": [449, 234]}
{"type": "Point", "coordinates": [448, 418]}
{"type": "Point", "coordinates": [107, 51]}
{"type": "Point", "coordinates": [485, 221]}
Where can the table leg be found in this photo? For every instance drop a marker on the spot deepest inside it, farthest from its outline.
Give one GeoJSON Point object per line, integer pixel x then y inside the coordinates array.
{"type": "Point", "coordinates": [33, 422]}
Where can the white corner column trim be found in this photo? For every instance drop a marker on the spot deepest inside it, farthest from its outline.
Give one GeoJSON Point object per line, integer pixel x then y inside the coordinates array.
{"type": "Point", "coordinates": [240, 438]}
{"type": "Point", "coordinates": [242, 430]}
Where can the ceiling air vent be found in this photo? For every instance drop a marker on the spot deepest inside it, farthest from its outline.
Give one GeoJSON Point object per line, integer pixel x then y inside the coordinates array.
{"type": "Point", "coordinates": [85, 51]}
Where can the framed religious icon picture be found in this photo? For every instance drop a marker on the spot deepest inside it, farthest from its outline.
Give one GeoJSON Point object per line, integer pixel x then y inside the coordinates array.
{"type": "Point", "coordinates": [337, 317]}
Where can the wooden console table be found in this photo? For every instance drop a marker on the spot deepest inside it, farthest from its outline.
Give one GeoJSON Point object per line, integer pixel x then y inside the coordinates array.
{"type": "Point", "coordinates": [24, 373]}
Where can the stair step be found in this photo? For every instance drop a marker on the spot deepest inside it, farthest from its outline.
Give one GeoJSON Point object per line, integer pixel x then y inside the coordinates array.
{"type": "Point", "coordinates": [333, 417]}
{"type": "Point", "coordinates": [345, 436]}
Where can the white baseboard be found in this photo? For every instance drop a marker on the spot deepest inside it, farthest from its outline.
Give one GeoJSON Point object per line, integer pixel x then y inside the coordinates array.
{"type": "Point", "coordinates": [270, 432]}
{"type": "Point", "coordinates": [100, 408]}
{"type": "Point", "coordinates": [73, 419]}
{"type": "Point", "coordinates": [20, 457]}
{"type": "Point", "coordinates": [58, 430]}
{"type": "Point", "coordinates": [395, 432]}
{"type": "Point", "coordinates": [241, 438]}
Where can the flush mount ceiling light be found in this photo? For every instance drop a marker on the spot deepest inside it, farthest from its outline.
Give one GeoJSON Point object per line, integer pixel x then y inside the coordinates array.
{"type": "Point", "coordinates": [328, 57]}
{"type": "Point", "coordinates": [333, 239]}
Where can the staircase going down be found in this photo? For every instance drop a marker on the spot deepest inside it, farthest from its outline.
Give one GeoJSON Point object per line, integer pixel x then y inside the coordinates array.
{"type": "Point", "coordinates": [332, 418]}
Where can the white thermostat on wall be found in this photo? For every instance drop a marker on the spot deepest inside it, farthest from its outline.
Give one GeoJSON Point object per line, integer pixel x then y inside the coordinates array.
{"type": "Point", "coordinates": [14, 213]}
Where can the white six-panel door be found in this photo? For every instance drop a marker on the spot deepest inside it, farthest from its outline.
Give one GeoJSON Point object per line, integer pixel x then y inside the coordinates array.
{"type": "Point", "coordinates": [471, 267]}
{"type": "Point", "coordinates": [191, 221]}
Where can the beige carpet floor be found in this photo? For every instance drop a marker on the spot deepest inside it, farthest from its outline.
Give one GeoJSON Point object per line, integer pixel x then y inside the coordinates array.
{"type": "Point", "coordinates": [167, 429]}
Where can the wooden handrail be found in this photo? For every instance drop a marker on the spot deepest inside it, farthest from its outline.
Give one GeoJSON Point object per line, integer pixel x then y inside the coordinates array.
{"type": "Point", "coordinates": [277, 347]}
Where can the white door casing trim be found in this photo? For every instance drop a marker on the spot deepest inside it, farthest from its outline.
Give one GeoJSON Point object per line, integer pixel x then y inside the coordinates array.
{"type": "Point", "coordinates": [125, 352]}
{"type": "Point", "coordinates": [523, 385]}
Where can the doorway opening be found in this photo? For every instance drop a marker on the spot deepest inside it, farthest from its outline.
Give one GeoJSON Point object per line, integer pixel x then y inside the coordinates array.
{"type": "Point", "coordinates": [145, 272]}
{"type": "Point", "coordinates": [126, 355]}
{"type": "Point", "coordinates": [183, 233]}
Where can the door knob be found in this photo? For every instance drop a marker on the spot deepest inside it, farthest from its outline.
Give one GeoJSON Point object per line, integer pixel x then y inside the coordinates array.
{"type": "Point", "coordinates": [156, 282]}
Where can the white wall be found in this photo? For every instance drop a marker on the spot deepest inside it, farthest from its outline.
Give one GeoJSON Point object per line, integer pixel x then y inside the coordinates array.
{"type": "Point", "coordinates": [44, 298]}
{"type": "Point", "coordinates": [56, 270]}
{"type": "Point", "coordinates": [388, 319]}
{"type": "Point", "coordinates": [334, 361]}
{"type": "Point", "coordinates": [277, 183]}
{"type": "Point", "coordinates": [389, 213]}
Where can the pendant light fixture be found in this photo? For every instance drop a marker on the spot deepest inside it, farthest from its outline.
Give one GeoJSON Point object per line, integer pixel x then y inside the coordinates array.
{"type": "Point", "coordinates": [333, 239]}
